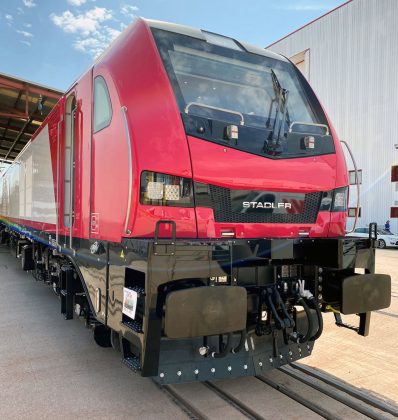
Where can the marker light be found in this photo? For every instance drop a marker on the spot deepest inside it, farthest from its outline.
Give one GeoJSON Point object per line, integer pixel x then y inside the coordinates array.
{"type": "Point", "coordinates": [165, 190]}
{"type": "Point", "coordinates": [340, 199]}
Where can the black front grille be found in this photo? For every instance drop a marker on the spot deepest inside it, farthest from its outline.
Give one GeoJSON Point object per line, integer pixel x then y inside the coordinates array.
{"type": "Point", "coordinates": [222, 205]}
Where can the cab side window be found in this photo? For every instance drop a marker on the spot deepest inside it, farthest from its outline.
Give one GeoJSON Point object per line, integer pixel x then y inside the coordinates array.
{"type": "Point", "coordinates": [102, 105]}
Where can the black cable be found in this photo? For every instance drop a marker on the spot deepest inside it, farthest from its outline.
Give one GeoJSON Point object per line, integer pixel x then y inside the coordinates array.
{"type": "Point", "coordinates": [320, 320]}
{"type": "Point", "coordinates": [307, 311]}
{"type": "Point", "coordinates": [242, 340]}
{"type": "Point", "coordinates": [225, 350]}
{"type": "Point", "coordinates": [278, 319]}
{"type": "Point", "coordinates": [288, 319]}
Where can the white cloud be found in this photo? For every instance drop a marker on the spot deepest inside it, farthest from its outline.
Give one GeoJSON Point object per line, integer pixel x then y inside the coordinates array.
{"type": "Point", "coordinates": [9, 19]}
{"type": "Point", "coordinates": [27, 25]}
{"type": "Point", "coordinates": [93, 29]}
{"type": "Point", "coordinates": [76, 2]}
{"type": "Point", "coordinates": [25, 42]}
{"type": "Point", "coordinates": [128, 10]}
{"type": "Point", "coordinates": [20, 10]}
{"type": "Point", "coordinates": [29, 3]}
{"type": "Point", "coordinates": [85, 23]}
{"type": "Point", "coordinates": [25, 34]}
{"type": "Point", "coordinates": [94, 45]}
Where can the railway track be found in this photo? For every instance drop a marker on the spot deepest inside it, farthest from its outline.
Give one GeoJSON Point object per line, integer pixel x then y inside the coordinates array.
{"type": "Point", "coordinates": [290, 391]}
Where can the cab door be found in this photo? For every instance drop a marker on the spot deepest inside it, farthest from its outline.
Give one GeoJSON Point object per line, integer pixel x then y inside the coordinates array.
{"type": "Point", "coordinates": [110, 163]}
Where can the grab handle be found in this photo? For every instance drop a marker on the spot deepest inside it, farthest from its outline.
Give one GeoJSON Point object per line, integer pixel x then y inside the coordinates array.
{"type": "Point", "coordinates": [130, 169]}
{"type": "Point", "coordinates": [357, 182]}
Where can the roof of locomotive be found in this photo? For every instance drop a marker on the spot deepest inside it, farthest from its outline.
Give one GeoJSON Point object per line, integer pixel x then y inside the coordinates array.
{"type": "Point", "coordinates": [199, 34]}
{"type": "Point", "coordinates": [184, 30]}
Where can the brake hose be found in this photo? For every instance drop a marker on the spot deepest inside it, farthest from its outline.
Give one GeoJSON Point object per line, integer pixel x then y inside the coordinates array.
{"type": "Point", "coordinates": [226, 349]}
{"type": "Point", "coordinates": [320, 320]}
{"type": "Point", "coordinates": [242, 340]}
{"type": "Point", "coordinates": [306, 337]}
{"type": "Point", "coordinates": [288, 319]}
{"type": "Point", "coordinates": [278, 319]}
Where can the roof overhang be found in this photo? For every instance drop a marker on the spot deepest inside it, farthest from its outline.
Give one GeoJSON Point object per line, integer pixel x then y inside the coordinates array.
{"type": "Point", "coordinates": [23, 107]}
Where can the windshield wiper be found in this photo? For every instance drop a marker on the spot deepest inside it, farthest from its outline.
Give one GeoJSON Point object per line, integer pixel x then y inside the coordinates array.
{"type": "Point", "coordinates": [272, 145]}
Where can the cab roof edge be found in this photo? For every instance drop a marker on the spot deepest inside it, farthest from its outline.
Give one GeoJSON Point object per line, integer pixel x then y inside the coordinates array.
{"type": "Point", "coordinates": [197, 33]}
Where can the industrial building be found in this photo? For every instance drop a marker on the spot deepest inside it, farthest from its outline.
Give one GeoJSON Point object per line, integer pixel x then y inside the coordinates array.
{"type": "Point", "coordinates": [350, 57]}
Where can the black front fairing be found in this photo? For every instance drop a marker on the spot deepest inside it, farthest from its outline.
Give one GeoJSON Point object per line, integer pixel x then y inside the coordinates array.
{"type": "Point", "coordinates": [256, 140]}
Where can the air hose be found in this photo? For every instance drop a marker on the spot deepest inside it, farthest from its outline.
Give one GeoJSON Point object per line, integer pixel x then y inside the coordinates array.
{"type": "Point", "coordinates": [242, 340]}
{"type": "Point", "coordinates": [271, 305]}
{"type": "Point", "coordinates": [288, 321]}
{"type": "Point", "coordinates": [320, 320]}
{"type": "Point", "coordinates": [301, 301]}
{"type": "Point", "coordinates": [225, 350]}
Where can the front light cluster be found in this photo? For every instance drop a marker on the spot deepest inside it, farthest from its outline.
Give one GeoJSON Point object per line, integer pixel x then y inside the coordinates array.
{"type": "Point", "coordinates": [165, 190]}
{"type": "Point", "coordinates": [335, 200]}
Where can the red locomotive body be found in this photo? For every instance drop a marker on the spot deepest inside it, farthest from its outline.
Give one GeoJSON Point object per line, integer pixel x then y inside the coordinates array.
{"type": "Point", "coordinates": [189, 193]}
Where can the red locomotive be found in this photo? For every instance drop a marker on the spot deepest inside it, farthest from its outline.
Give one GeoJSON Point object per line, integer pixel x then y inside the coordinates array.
{"type": "Point", "coordinates": [187, 196]}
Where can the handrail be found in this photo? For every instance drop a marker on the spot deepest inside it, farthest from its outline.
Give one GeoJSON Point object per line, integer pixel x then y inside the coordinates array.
{"type": "Point", "coordinates": [357, 182]}
{"type": "Point", "coordinates": [74, 123]}
{"type": "Point", "coordinates": [309, 124]}
{"type": "Point", "coordinates": [58, 185]}
{"type": "Point", "coordinates": [216, 108]}
{"type": "Point", "coordinates": [130, 169]}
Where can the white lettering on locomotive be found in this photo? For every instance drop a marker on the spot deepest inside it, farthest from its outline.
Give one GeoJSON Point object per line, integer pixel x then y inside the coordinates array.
{"type": "Point", "coordinates": [265, 205]}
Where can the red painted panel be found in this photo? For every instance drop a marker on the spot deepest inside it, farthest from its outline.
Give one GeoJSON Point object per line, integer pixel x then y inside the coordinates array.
{"type": "Point", "coordinates": [109, 171]}
{"type": "Point", "coordinates": [226, 167]}
{"type": "Point", "coordinates": [157, 134]}
{"type": "Point", "coordinates": [147, 216]}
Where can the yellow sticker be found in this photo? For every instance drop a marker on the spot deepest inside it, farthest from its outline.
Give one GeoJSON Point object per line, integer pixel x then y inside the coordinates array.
{"type": "Point", "coordinates": [122, 254]}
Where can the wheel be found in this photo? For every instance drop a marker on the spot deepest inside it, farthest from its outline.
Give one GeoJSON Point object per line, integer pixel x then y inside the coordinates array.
{"type": "Point", "coordinates": [382, 244]}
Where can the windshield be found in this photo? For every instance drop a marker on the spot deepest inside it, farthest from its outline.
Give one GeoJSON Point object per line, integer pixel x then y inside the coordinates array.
{"type": "Point", "coordinates": [237, 87]}
{"type": "Point", "coordinates": [383, 232]}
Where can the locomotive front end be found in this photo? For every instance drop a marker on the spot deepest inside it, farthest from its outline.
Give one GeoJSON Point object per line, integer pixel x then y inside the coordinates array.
{"type": "Point", "coordinates": [244, 292]}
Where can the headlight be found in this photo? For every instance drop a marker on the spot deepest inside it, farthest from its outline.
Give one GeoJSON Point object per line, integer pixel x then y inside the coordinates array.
{"type": "Point", "coordinates": [340, 199]}
{"type": "Point", "coordinates": [334, 200]}
{"type": "Point", "coordinates": [165, 190]}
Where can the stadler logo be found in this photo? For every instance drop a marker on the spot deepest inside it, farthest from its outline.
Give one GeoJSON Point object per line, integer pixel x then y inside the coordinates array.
{"type": "Point", "coordinates": [265, 205]}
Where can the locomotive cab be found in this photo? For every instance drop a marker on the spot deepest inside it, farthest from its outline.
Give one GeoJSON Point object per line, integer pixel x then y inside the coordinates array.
{"type": "Point", "coordinates": [263, 158]}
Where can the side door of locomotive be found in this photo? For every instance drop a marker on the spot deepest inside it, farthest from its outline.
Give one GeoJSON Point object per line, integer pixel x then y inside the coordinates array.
{"type": "Point", "coordinates": [73, 195]}
{"type": "Point", "coordinates": [110, 162]}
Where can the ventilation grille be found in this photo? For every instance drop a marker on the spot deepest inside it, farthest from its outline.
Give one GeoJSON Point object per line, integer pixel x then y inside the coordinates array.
{"type": "Point", "coordinates": [223, 212]}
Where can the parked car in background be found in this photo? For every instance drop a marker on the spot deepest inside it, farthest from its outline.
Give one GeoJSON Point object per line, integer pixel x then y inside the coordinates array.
{"type": "Point", "coordinates": [385, 238]}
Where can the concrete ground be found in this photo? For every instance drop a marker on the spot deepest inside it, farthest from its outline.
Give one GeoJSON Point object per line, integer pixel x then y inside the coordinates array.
{"type": "Point", "coordinates": [51, 368]}
{"type": "Point", "coordinates": [368, 362]}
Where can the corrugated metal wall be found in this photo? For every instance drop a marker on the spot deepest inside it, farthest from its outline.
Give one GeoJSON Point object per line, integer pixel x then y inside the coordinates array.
{"type": "Point", "coordinates": [354, 71]}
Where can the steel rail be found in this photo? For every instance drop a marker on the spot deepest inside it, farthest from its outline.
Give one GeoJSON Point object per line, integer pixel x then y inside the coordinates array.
{"type": "Point", "coordinates": [299, 399]}
{"type": "Point", "coordinates": [333, 393]}
{"type": "Point", "coordinates": [181, 402]}
{"type": "Point", "coordinates": [231, 400]}
{"type": "Point", "coordinates": [348, 389]}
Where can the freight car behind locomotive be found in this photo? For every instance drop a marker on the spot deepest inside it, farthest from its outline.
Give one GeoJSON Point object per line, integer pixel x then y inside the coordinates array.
{"type": "Point", "coordinates": [187, 197]}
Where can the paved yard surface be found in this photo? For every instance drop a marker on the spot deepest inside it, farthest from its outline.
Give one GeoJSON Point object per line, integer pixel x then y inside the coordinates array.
{"type": "Point", "coordinates": [369, 362]}
{"type": "Point", "coordinates": [52, 369]}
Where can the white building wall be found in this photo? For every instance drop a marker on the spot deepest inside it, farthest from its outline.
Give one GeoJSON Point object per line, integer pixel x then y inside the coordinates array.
{"type": "Point", "coordinates": [353, 68]}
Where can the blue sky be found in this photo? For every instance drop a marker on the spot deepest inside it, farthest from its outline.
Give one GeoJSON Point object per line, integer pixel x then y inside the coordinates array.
{"type": "Point", "coordinates": [53, 41]}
